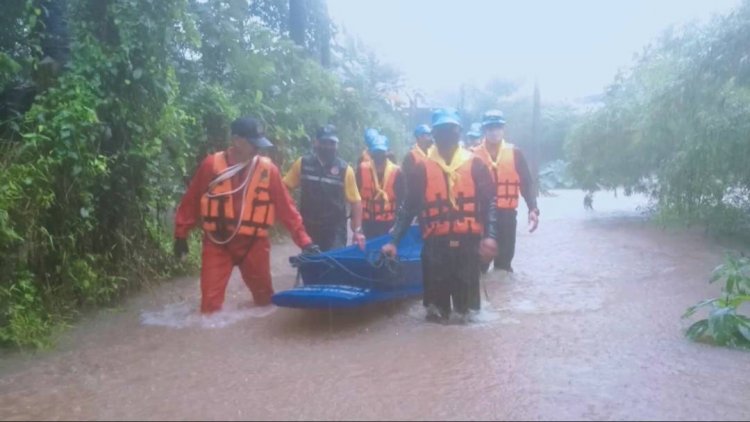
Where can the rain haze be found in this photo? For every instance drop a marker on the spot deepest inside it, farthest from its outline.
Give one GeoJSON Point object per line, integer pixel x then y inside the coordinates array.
{"type": "Point", "coordinates": [574, 48]}
{"type": "Point", "coordinates": [374, 210]}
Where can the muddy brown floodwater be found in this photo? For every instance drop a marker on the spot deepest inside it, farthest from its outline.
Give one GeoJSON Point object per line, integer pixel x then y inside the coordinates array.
{"type": "Point", "coordinates": [587, 328]}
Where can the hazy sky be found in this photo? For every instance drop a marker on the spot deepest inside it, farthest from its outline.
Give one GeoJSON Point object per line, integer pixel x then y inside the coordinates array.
{"type": "Point", "coordinates": [573, 47]}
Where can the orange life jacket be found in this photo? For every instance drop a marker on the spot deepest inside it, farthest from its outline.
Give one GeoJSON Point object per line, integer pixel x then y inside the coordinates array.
{"type": "Point", "coordinates": [378, 204]}
{"type": "Point", "coordinates": [507, 180]}
{"type": "Point", "coordinates": [439, 217]}
{"type": "Point", "coordinates": [217, 207]}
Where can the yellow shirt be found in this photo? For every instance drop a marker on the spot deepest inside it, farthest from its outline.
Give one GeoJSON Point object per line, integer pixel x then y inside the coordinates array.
{"type": "Point", "coordinates": [292, 181]}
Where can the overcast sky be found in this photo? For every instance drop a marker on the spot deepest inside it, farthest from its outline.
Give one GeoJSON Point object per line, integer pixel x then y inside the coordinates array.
{"type": "Point", "coordinates": [573, 47]}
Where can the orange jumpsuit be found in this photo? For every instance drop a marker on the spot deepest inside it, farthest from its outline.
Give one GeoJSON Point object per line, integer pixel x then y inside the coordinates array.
{"type": "Point", "coordinates": [250, 253]}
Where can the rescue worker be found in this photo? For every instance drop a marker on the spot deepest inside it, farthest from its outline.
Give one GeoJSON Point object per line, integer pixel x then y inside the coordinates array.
{"type": "Point", "coordinates": [327, 185]}
{"type": "Point", "coordinates": [473, 136]}
{"type": "Point", "coordinates": [371, 134]}
{"type": "Point", "coordinates": [454, 194]}
{"type": "Point", "coordinates": [381, 187]}
{"type": "Point", "coordinates": [423, 142]}
{"type": "Point", "coordinates": [512, 179]}
{"type": "Point", "coordinates": [236, 195]}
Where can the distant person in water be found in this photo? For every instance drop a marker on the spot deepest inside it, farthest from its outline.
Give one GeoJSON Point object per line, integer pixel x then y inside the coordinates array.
{"type": "Point", "coordinates": [588, 201]}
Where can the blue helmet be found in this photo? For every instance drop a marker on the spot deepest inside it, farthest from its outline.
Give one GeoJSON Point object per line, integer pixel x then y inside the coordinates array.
{"type": "Point", "coordinates": [493, 118]}
{"type": "Point", "coordinates": [380, 143]}
{"type": "Point", "coordinates": [422, 130]}
{"type": "Point", "coordinates": [370, 135]}
{"type": "Point", "coordinates": [445, 116]}
{"type": "Point", "coordinates": [475, 131]}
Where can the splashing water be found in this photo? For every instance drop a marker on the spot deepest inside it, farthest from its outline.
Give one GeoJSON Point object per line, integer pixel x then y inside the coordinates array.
{"type": "Point", "coordinates": [186, 315]}
{"type": "Point", "coordinates": [486, 316]}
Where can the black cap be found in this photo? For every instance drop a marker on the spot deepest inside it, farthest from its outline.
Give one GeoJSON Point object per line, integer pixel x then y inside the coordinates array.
{"type": "Point", "coordinates": [327, 133]}
{"type": "Point", "coordinates": [251, 129]}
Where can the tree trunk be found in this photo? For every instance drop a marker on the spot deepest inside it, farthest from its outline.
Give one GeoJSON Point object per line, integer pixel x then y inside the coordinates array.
{"type": "Point", "coordinates": [536, 121]}
{"type": "Point", "coordinates": [298, 21]}
{"type": "Point", "coordinates": [324, 34]}
{"type": "Point", "coordinates": [55, 42]}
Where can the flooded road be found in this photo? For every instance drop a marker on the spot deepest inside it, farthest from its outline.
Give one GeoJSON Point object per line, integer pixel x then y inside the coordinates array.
{"type": "Point", "coordinates": [587, 328]}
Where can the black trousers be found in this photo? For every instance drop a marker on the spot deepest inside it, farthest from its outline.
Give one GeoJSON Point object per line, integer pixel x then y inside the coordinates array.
{"type": "Point", "coordinates": [376, 228]}
{"type": "Point", "coordinates": [506, 239]}
{"type": "Point", "coordinates": [328, 236]}
{"type": "Point", "coordinates": [450, 270]}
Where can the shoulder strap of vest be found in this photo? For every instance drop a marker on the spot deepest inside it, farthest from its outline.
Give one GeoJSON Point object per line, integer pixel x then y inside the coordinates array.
{"type": "Point", "coordinates": [507, 153]}
{"type": "Point", "coordinates": [220, 161]}
{"type": "Point", "coordinates": [343, 166]}
{"type": "Point", "coordinates": [390, 171]}
{"type": "Point", "coordinates": [365, 171]}
{"type": "Point", "coordinates": [417, 152]}
{"type": "Point", "coordinates": [265, 161]}
{"type": "Point", "coordinates": [481, 152]}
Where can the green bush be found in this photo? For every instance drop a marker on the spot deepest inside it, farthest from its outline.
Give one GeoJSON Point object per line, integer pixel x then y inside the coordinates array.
{"type": "Point", "coordinates": [725, 325]}
{"type": "Point", "coordinates": [25, 320]}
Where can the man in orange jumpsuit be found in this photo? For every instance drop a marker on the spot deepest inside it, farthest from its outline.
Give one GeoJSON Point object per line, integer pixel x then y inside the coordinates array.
{"type": "Point", "coordinates": [236, 195]}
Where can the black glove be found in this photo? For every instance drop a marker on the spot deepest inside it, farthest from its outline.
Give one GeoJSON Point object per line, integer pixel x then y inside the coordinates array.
{"type": "Point", "coordinates": [311, 249]}
{"type": "Point", "coordinates": [180, 248]}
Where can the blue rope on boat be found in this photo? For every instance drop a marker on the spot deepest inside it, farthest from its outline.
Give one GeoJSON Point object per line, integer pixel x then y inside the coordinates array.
{"type": "Point", "coordinates": [376, 260]}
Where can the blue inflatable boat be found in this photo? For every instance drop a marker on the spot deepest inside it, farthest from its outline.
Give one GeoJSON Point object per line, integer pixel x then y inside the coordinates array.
{"type": "Point", "coordinates": [350, 278]}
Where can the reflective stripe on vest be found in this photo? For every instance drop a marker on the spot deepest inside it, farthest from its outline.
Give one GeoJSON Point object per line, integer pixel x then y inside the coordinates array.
{"type": "Point", "coordinates": [375, 206]}
{"type": "Point", "coordinates": [218, 213]}
{"type": "Point", "coordinates": [504, 172]}
{"type": "Point", "coordinates": [322, 179]}
{"type": "Point", "coordinates": [438, 217]}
